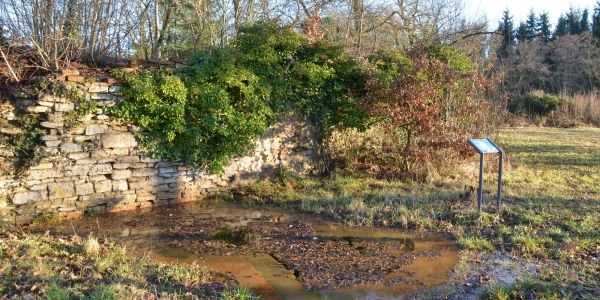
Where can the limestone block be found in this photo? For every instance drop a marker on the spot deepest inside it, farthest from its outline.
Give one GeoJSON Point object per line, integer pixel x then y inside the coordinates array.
{"type": "Point", "coordinates": [102, 96]}
{"type": "Point", "coordinates": [170, 180]}
{"type": "Point", "coordinates": [106, 103]}
{"type": "Point", "coordinates": [139, 185]}
{"type": "Point", "coordinates": [83, 138]}
{"type": "Point", "coordinates": [128, 159]}
{"type": "Point", "coordinates": [119, 185]}
{"type": "Point", "coordinates": [103, 186]}
{"type": "Point", "coordinates": [78, 155]}
{"type": "Point", "coordinates": [120, 166]}
{"type": "Point", "coordinates": [166, 170]}
{"type": "Point", "coordinates": [98, 88]}
{"type": "Point", "coordinates": [38, 109]}
{"type": "Point", "coordinates": [101, 169]}
{"type": "Point", "coordinates": [49, 137]}
{"type": "Point", "coordinates": [97, 178]}
{"type": "Point", "coordinates": [79, 170]}
{"type": "Point", "coordinates": [42, 166]}
{"type": "Point", "coordinates": [52, 143]}
{"type": "Point", "coordinates": [51, 125]}
{"type": "Point", "coordinates": [100, 154]}
{"type": "Point", "coordinates": [66, 147]}
{"type": "Point", "coordinates": [45, 103]}
{"type": "Point", "coordinates": [145, 159]}
{"type": "Point", "coordinates": [115, 89]}
{"type": "Point", "coordinates": [55, 118]}
{"type": "Point", "coordinates": [119, 140]}
{"type": "Point", "coordinates": [85, 161]}
{"type": "Point", "coordinates": [25, 197]}
{"type": "Point", "coordinates": [102, 117]}
{"type": "Point", "coordinates": [144, 172]}
{"type": "Point", "coordinates": [61, 190]}
{"type": "Point", "coordinates": [139, 165]}
{"type": "Point", "coordinates": [96, 129]}
{"type": "Point", "coordinates": [36, 185]}
{"type": "Point", "coordinates": [43, 174]}
{"type": "Point", "coordinates": [84, 189]}
{"type": "Point", "coordinates": [121, 174]}
{"type": "Point", "coordinates": [64, 107]}
{"type": "Point", "coordinates": [119, 152]}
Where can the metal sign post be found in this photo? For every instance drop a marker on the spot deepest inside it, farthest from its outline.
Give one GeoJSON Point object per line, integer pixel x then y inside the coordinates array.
{"type": "Point", "coordinates": [486, 146]}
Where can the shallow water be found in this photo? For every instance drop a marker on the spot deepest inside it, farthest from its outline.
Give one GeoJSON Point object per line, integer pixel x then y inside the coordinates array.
{"type": "Point", "coordinates": [170, 235]}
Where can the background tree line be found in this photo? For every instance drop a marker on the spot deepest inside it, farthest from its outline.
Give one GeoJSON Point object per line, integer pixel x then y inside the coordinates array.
{"type": "Point", "coordinates": [549, 68]}
{"type": "Point", "coordinates": [98, 31]}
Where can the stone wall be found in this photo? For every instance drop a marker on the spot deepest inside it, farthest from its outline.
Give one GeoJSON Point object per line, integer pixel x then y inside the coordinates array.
{"type": "Point", "coordinates": [97, 165]}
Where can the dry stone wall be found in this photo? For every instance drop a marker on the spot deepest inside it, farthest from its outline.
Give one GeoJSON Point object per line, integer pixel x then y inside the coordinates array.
{"type": "Point", "coordinates": [97, 165]}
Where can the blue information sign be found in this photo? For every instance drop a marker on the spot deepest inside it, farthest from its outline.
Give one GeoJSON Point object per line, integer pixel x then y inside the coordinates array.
{"type": "Point", "coordinates": [484, 146]}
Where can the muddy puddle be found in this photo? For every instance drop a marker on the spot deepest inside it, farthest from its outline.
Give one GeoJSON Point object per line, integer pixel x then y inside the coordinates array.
{"type": "Point", "coordinates": [289, 255]}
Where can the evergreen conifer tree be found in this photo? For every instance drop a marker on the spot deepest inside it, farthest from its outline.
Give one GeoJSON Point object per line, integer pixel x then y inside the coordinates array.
{"type": "Point", "coordinates": [544, 27]}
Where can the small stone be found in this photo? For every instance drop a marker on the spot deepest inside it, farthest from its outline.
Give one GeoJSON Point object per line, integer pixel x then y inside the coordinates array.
{"type": "Point", "coordinates": [42, 166]}
{"type": "Point", "coordinates": [79, 170]}
{"type": "Point", "coordinates": [25, 197]}
{"type": "Point", "coordinates": [115, 89]}
{"type": "Point", "coordinates": [121, 174]}
{"type": "Point", "coordinates": [95, 129]}
{"type": "Point", "coordinates": [70, 147]}
{"type": "Point", "coordinates": [83, 138]}
{"type": "Point", "coordinates": [120, 185]}
{"type": "Point", "coordinates": [101, 169]}
{"type": "Point", "coordinates": [98, 88]}
{"type": "Point", "coordinates": [84, 189]}
{"type": "Point", "coordinates": [61, 190]}
{"type": "Point", "coordinates": [49, 137]}
{"type": "Point", "coordinates": [52, 143]}
{"type": "Point", "coordinates": [38, 109]}
{"type": "Point", "coordinates": [64, 107]}
{"type": "Point", "coordinates": [120, 166]}
{"type": "Point", "coordinates": [167, 170]}
{"type": "Point", "coordinates": [78, 155]}
{"type": "Point", "coordinates": [128, 159]}
{"type": "Point", "coordinates": [55, 118]}
{"type": "Point", "coordinates": [51, 125]}
{"type": "Point", "coordinates": [144, 172]}
{"type": "Point", "coordinates": [45, 103]}
{"type": "Point", "coordinates": [102, 186]}
{"type": "Point", "coordinates": [102, 97]}
{"type": "Point", "coordinates": [119, 140]}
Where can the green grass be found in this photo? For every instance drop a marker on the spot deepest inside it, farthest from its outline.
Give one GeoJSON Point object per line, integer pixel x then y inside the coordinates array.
{"type": "Point", "coordinates": [238, 293]}
{"type": "Point", "coordinates": [51, 267]}
{"type": "Point", "coordinates": [553, 163]}
{"type": "Point", "coordinates": [551, 206]}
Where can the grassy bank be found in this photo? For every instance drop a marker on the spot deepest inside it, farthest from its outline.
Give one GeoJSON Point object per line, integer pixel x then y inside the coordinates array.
{"type": "Point", "coordinates": [34, 266]}
{"type": "Point", "coordinates": [551, 213]}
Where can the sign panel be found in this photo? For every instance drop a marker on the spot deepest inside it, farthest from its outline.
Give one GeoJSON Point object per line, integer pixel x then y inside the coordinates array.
{"type": "Point", "coordinates": [483, 146]}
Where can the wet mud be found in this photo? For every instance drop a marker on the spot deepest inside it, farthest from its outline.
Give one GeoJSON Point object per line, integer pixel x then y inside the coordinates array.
{"type": "Point", "coordinates": [289, 255]}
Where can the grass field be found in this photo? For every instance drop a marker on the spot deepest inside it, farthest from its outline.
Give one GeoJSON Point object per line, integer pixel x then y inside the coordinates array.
{"type": "Point", "coordinates": [551, 213]}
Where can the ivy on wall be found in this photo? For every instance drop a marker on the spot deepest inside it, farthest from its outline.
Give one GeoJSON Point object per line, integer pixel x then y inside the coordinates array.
{"type": "Point", "coordinates": [212, 110]}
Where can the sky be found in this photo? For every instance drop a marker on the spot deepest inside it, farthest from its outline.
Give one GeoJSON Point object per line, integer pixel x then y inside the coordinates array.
{"type": "Point", "coordinates": [492, 9]}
